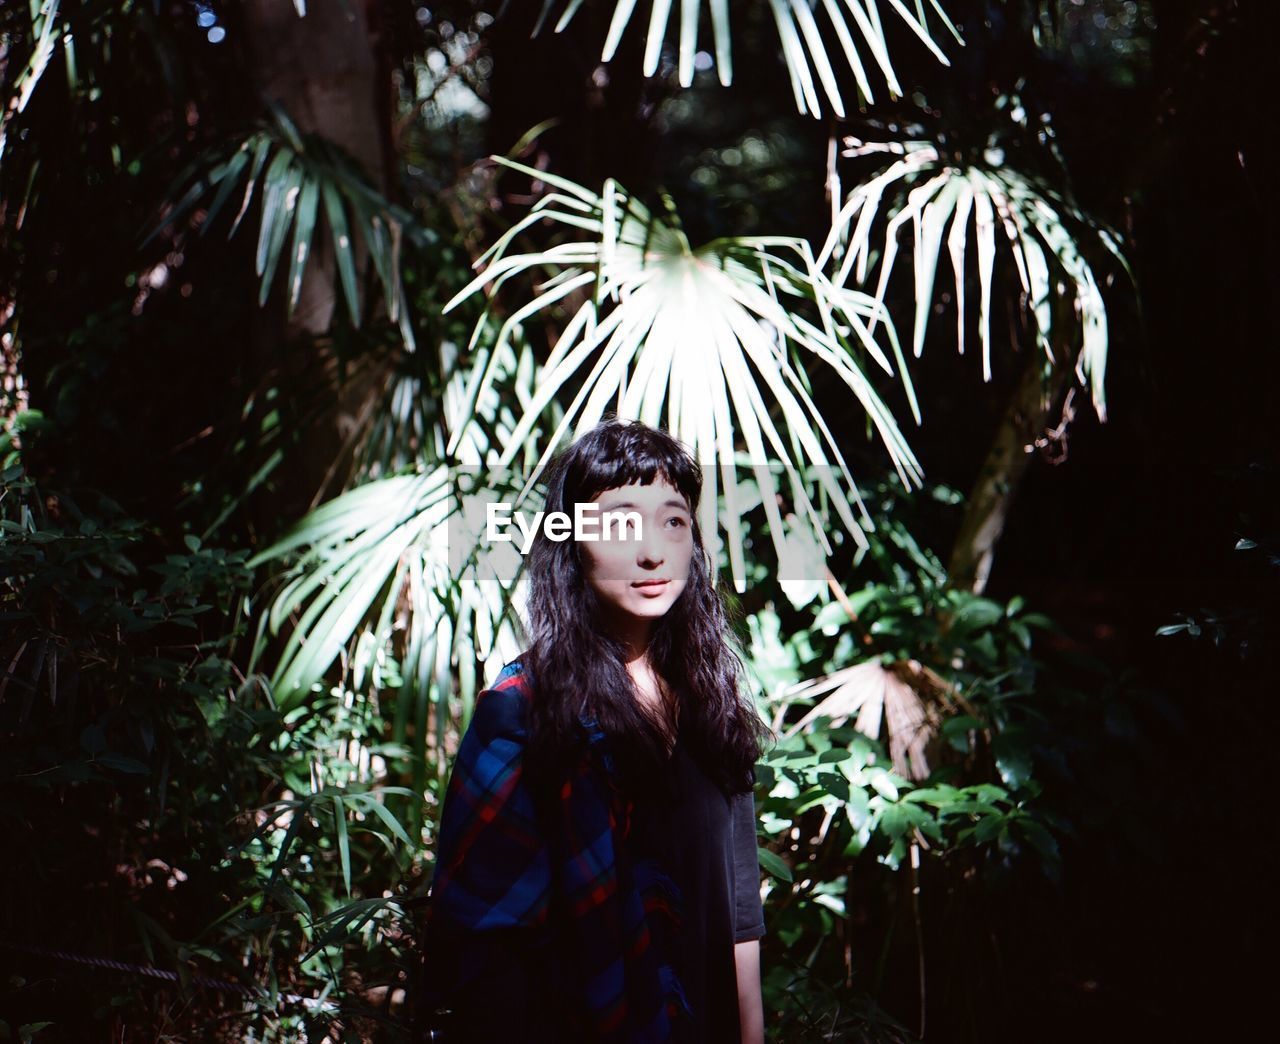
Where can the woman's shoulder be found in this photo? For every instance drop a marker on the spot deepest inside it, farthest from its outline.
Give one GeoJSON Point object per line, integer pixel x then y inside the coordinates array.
{"type": "Point", "coordinates": [503, 707]}
{"type": "Point", "coordinates": [514, 678]}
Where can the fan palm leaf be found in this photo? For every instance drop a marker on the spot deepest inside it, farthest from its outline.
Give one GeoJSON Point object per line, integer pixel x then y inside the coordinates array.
{"type": "Point", "coordinates": [368, 566]}
{"type": "Point", "coordinates": [856, 25]}
{"type": "Point", "coordinates": [385, 560]}
{"type": "Point", "coordinates": [713, 343]}
{"type": "Point", "coordinates": [904, 700]}
{"type": "Point", "coordinates": [975, 205]}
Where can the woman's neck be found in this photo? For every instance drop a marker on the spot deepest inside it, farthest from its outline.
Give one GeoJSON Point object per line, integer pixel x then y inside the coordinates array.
{"type": "Point", "coordinates": [634, 636]}
{"type": "Point", "coordinates": [658, 700]}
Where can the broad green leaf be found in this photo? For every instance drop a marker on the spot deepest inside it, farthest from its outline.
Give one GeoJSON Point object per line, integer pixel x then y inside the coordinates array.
{"type": "Point", "coordinates": [894, 821]}
{"type": "Point", "coordinates": [883, 785]}
{"type": "Point", "coordinates": [344, 846]}
{"type": "Point", "coordinates": [774, 864]}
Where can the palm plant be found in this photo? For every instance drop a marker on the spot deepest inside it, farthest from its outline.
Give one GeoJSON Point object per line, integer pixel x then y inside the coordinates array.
{"type": "Point", "coordinates": [904, 699]}
{"type": "Point", "coordinates": [804, 51]}
{"type": "Point", "coordinates": [298, 175]}
{"type": "Point", "coordinates": [385, 568]}
{"type": "Point", "coordinates": [930, 186]}
{"type": "Point", "coordinates": [707, 341]}
{"type": "Point", "coordinates": [746, 348]}
{"type": "Point", "coordinates": [384, 610]}
{"type": "Point", "coordinates": [943, 189]}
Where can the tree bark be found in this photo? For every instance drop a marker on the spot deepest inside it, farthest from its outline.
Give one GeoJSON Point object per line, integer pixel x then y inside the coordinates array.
{"type": "Point", "coordinates": [1037, 393]}
{"type": "Point", "coordinates": [323, 70]}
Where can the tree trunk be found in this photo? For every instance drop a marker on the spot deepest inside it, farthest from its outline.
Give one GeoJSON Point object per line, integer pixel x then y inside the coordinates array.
{"type": "Point", "coordinates": [1037, 393]}
{"type": "Point", "coordinates": [323, 70]}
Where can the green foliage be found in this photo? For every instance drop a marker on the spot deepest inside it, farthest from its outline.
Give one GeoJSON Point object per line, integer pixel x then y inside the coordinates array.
{"type": "Point", "coordinates": [123, 714]}
{"type": "Point", "coordinates": [275, 829]}
{"type": "Point", "coordinates": [843, 811]}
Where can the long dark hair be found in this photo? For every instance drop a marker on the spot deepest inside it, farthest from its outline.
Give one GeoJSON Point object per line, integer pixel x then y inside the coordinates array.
{"type": "Point", "coordinates": [578, 668]}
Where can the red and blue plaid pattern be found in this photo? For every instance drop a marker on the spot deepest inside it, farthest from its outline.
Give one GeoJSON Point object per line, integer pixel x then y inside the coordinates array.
{"type": "Point", "coordinates": [507, 868]}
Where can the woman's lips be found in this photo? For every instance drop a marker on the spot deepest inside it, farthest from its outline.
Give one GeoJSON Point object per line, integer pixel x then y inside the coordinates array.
{"type": "Point", "coordinates": [651, 588]}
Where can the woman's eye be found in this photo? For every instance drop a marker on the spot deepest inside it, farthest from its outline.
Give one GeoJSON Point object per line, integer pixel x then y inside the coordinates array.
{"type": "Point", "coordinates": [677, 520]}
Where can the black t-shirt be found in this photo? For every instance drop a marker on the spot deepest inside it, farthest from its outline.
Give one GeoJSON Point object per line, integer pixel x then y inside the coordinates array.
{"type": "Point", "coordinates": [706, 843]}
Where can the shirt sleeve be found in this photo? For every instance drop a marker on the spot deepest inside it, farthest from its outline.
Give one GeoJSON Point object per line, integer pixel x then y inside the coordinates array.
{"type": "Point", "coordinates": [492, 860]}
{"type": "Point", "coordinates": [748, 909]}
{"type": "Point", "coordinates": [491, 887]}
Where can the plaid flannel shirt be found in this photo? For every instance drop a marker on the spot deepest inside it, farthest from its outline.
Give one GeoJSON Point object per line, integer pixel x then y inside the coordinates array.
{"type": "Point", "coordinates": [555, 886]}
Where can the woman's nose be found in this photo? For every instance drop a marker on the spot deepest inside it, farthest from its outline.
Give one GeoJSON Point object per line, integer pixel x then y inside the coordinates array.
{"type": "Point", "coordinates": [650, 548]}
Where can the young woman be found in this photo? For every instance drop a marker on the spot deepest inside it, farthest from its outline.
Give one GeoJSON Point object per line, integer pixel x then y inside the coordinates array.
{"type": "Point", "coordinates": [596, 869]}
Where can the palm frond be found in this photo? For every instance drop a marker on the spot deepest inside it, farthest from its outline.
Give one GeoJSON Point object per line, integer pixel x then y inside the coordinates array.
{"type": "Point", "coordinates": [299, 178]}
{"type": "Point", "coordinates": [905, 700]}
{"type": "Point", "coordinates": [391, 556]}
{"type": "Point", "coordinates": [966, 204]}
{"type": "Point", "coordinates": [855, 24]}
{"type": "Point", "coordinates": [713, 343]}
{"type": "Point", "coordinates": [44, 31]}
{"type": "Point", "coordinates": [373, 562]}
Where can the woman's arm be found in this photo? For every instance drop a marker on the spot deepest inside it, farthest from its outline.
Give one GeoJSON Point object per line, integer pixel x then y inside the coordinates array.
{"type": "Point", "coordinates": [746, 958]}
{"type": "Point", "coordinates": [748, 918]}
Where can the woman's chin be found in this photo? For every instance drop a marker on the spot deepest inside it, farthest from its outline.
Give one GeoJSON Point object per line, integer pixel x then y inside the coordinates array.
{"type": "Point", "coordinates": [650, 608]}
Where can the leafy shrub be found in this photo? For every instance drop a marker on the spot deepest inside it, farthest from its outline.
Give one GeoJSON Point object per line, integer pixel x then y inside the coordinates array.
{"type": "Point", "coordinates": [175, 812]}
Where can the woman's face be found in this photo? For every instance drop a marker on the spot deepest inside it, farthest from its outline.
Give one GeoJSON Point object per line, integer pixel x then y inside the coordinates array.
{"type": "Point", "coordinates": [638, 575]}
